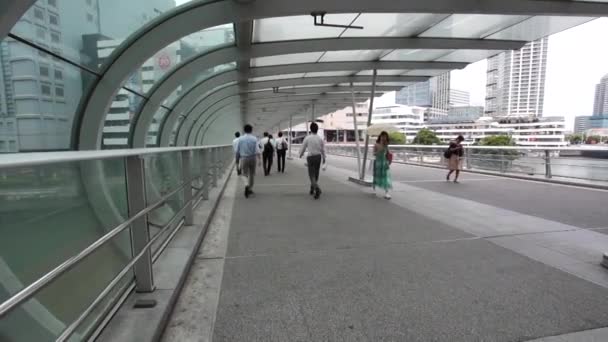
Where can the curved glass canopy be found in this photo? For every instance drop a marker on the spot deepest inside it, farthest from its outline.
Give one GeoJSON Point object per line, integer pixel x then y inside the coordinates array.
{"type": "Point", "coordinates": [112, 74]}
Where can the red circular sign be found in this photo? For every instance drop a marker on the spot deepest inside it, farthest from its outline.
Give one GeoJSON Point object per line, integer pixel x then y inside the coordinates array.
{"type": "Point", "coordinates": [164, 61]}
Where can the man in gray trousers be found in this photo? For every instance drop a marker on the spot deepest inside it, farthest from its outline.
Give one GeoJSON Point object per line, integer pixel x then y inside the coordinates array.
{"type": "Point", "coordinates": [316, 154]}
{"type": "Point", "coordinates": [248, 153]}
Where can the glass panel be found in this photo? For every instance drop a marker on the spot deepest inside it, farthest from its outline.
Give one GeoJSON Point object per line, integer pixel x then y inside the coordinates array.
{"type": "Point", "coordinates": [190, 82]}
{"type": "Point", "coordinates": [383, 72]}
{"type": "Point", "coordinates": [176, 126]}
{"type": "Point", "coordinates": [294, 58]}
{"type": "Point", "coordinates": [329, 73]}
{"type": "Point", "coordinates": [38, 99]}
{"type": "Point", "coordinates": [275, 77]}
{"type": "Point", "coordinates": [152, 137]}
{"type": "Point", "coordinates": [472, 25]}
{"type": "Point", "coordinates": [415, 55]}
{"type": "Point", "coordinates": [470, 56]}
{"type": "Point", "coordinates": [118, 120]}
{"type": "Point", "coordinates": [352, 55]}
{"type": "Point", "coordinates": [298, 27]}
{"type": "Point", "coordinates": [395, 84]}
{"type": "Point", "coordinates": [73, 29]}
{"type": "Point", "coordinates": [392, 24]}
{"type": "Point", "coordinates": [47, 215]}
{"type": "Point", "coordinates": [163, 175]}
{"type": "Point", "coordinates": [538, 27]}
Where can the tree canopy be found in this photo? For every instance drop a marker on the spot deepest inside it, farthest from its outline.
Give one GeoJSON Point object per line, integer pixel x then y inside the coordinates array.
{"type": "Point", "coordinates": [497, 140]}
{"type": "Point", "coordinates": [426, 137]}
{"type": "Point", "coordinates": [396, 138]}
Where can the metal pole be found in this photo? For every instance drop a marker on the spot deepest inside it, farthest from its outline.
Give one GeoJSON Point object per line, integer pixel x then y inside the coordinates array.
{"type": "Point", "coordinates": [548, 164]}
{"type": "Point", "coordinates": [187, 177]}
{"type": "Point", "coordinates": [136, 199]}
{"type": "Point", "coordinates": [206, 160]}
{"type": "Point", "coordinates": [290, 136]}
{"type": "Point", "coordinates": [352, 92]}
{"type": "Point", "coordinates": [369, 122]}
{"type": "Point", "coordinates": [313, 113]}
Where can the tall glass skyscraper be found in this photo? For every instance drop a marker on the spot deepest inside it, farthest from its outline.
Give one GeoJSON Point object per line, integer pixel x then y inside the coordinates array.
{"type": "Point", "coordinates": [515, 83]}
{"type": "Point", "coordinates": [600, 104]}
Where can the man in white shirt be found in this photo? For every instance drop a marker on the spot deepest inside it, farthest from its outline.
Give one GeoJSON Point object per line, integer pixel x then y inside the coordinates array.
{"type": "Point", "coordinates": [316, 154]}
{"type": "Point", "coordinates": [235, 147]}
{"type": "Point", "coordinates": [281, 152]}
{"type": "Point", "coordinates": [267, 145]}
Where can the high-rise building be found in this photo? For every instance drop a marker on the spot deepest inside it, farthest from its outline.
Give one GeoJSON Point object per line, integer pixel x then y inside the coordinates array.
{"type": "Point", "coordinates": [515, 83]}
{"type": "Point", "coordinates": [459, 98]}
{"type": "Point", "coordinates": [600, 105]}
{"type": "Point", "coordinates": [433, 94]}
{"type": "Point", "coordinates": [581, 124]}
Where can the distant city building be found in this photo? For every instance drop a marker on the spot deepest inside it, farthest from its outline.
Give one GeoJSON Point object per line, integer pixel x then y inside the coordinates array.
{"type": "Point", "coordinates": [463, 113]}
{"type": "Point", "coordinates": [598, 121]}
{"type": "Point", "coordinates": [408, 119]}
{"type": "Point", "coordinates": [459, 98]}
{"type": "Point", "coordinates": [600, 104]}
{"type": "Point", "coordinates": [515, 82]}
{"type": "Point", "coordinates": [581, 124]}
{"type": "Point", "coordinates": [433, 94]}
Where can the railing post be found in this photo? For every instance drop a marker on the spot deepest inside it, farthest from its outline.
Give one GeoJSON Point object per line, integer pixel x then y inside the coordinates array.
{"type": "Point", "coordinates": [214, 167]}
{"type": "Point", "coordinates": [548, 164]}
{"type": "Point", "coordinates": [136, 198]}
{"type": "Point", "coordinates": [467, 157]}
{"type": "Point", "coordinates": [187, 178]}
{"type": "Point", "coordinates": [420, 157]}
{"type": "Point", "coordinates": [206, 161]}
{"type": "Point", "coordinates": [502, 161]}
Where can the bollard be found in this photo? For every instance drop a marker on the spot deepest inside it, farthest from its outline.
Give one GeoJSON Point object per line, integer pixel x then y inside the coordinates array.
{"type": "Point", "coordinates": [467, 158]}
{"type": "Point", "coordinates": [205, 172]}
{"type": "Point", "coordinates": [548, 164]}
{"type": "Point", "coordinates": [187, 192]}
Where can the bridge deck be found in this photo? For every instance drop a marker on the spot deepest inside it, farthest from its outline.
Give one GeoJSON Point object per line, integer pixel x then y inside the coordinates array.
{"type": "Point", "coordinates": [490, 259]}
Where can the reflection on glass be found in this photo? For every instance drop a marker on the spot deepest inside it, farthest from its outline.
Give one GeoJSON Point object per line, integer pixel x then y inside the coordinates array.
{"type": "Point", "coordinates": [39, 97]}
{"type": "Point", "coordinates": [152, 137]}
{"type": "Point", "coordinates": [47, 215]}
{"type": "Point", "coordinates": [87, 31]}
{"type": "Point", "coordinates": [193, 81]}
{"type": "Point", "coordinates": [175, 53]}
{"type": "Point", "coordinates": [163, 175]}
{"type": "Point", "coordinates": [118, 120]}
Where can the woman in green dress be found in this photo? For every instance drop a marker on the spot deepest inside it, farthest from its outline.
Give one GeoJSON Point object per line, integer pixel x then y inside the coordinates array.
{"type": "Point", "coordinates": [382, 174]}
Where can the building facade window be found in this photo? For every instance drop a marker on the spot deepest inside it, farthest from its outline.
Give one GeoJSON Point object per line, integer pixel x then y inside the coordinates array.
{"type": "Point", "coordinates": [53, 19]}
{"type": "Point", "coordinates": [45, 89]}
{"type": "Point", "coordinates": [40, 33]}
{"type": "Point", "coordinates": [90, 17]}
{"type": "Point", "coordinates": [58, 75]}
{"type": "Point", "coordinates": [55, 37]}
{"type": "Point", "coordinates": [38, 13]}
{"type": "Point", "coordinates": [59, 91]}
{"type": "Point", "coordinates": [44, 71]}
{"type": "Point", "coordinates": [52, 3]}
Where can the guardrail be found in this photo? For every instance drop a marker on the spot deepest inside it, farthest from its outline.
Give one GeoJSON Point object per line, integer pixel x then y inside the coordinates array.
{"type": "Point", "coordinates": [147, 193]}
{"type": "Point", "coordinates": [569, 163]}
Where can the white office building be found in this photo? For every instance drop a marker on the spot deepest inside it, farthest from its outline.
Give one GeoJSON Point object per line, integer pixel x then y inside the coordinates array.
{"type": "Point", "coordinates": [515, 83]}
{"type": "Point", "coordinates": [408, 119]}
{"type": "Point", "coordinates": [459, 98]}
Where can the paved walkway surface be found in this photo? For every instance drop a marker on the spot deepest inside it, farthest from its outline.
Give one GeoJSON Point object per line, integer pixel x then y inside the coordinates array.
{"type": "Point", "coordinates": [486, 260]}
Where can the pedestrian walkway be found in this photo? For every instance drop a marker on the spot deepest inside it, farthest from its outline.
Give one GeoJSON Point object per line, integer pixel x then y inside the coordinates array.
{"type": "Point", "coordinates": [426, 266]}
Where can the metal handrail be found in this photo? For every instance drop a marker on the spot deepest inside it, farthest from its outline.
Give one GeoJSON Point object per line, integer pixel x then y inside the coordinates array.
{"type": "Point", "coordinates": [529, 148]}
{"type": "Point", "coordinates": [42, 282]}
{"type": "Point", "coordinates": [14, 160]}
{"type": "Point", "coordinates": [76, 323]}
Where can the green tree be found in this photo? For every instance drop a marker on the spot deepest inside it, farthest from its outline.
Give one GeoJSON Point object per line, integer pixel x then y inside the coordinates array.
{"type": "Point", "coordinates": [593, 139]}
{"type": "Point", "coordinates": [426, 137]}
{"type": "Point", "coordinates": [396, 138]}
{"type": "Point", "coordinates": [497, 140]}
{"type": "Point", "coordinates": [574, 138]}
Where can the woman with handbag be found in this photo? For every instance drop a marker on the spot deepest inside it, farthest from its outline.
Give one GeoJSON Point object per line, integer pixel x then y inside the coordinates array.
{"type": "Point", "coordinates": [382, 174]}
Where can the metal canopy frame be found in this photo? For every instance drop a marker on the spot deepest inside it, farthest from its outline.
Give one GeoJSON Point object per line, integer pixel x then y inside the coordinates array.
{"type": "Point", "coordinates": [198, 15]}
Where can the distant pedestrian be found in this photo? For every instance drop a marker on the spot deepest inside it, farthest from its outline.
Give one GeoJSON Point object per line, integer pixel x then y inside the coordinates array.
{"type": "Point", "coordinates": [267, 146]}
{"type": "Point", "coordinates": [382, 173]}
{"type": "Point", "coordinates": [248, 154]}
{"type": "Point", "coordinates": [282, 147]}
{"type": "Point", "coordinates": [454, 155]}
{"type": "Point", "coordinates": [316, 154]}
{"type": "Point", "coordinates": [235, 147]}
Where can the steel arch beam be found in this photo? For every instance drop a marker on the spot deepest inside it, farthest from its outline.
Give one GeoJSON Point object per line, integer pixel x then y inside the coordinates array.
{"type": "Point", "coordinates": [244, 52]}
{"type": "Point", "coordinates": [198, 15]}
{"type": "Point", "coordinates": [201, 107]}
{"type": "Point", "coordinates": [193, 95]}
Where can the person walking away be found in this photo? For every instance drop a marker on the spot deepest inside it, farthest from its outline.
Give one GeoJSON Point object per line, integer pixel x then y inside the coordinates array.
{"type": "Point", "coordinates": [248, 153]}
{"type": "Point", "coordinates": [267, 146]}
{"type": "Point", "coordinates": [282, 147]}
{"type": "Point", "coordinates": [454, 155]}
{"type": "Point", "coordinates": [316, 154]}
{"type": "Point", "coordinates": [383, 159]}
{"type": "Point", "coordinates": [235, 145]}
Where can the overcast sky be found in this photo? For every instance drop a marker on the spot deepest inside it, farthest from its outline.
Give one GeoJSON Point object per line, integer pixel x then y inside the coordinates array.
{"type": "Point", "coordinates": [576, 60]}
